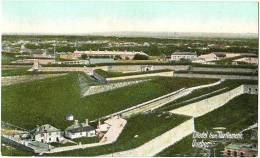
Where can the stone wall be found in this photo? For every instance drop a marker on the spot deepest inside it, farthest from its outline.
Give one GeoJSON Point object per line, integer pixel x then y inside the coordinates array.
{"type": "Point", "coordinates": [161, 74]}
{"type": "Point", "coordinates": [216, 69]}
{"type": "Point", "coordinates": [156, 145]}
{"type": "Point", "coordinates": [110, 86]}
{"type": "Point", "coordinates": [9, 80]}
{"type": "Point", "coordinates": [62, 69]}
{"type": "Point", "coordinates": [231, 77]}
{"type": "Point", "coordinates": [207, 105]}
{"type": "Point", "coordinates": [138, 68]}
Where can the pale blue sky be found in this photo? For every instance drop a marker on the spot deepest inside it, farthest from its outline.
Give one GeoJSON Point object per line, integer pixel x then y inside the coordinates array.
{"type": "Point", "coordinates": [105, 16]}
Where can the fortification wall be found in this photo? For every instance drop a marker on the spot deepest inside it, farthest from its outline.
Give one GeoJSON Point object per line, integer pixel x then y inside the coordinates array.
{"type": "Point", "coordinates": [231, 77]}
{"type": "Point", "coordinates": [207, 105]}
{"type": "Point", "coordinates": [138, 68]}
{"type": "Point", "coordinates": [156, 145]}
{"type": "Point", "coordinates": [110, 86]}
{"type": "Point", "coordinates": [216, 69]}
{"type": "Point", "coordinates": [162, 74]}
{"type": "Point", "coordinates": [158, 102]}
{"type": "Point", "coordinates": [9, 80]}
{"type": "Point", "coordinates": [62, 69]}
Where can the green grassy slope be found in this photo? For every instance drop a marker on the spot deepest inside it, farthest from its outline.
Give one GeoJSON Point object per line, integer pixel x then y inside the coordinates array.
{"type": "Point", "coordinates": [10, 151]}
{"type": "Point", "coordinates": [50, 100]}
{"type": "Point", "coordinates": [236, 115]}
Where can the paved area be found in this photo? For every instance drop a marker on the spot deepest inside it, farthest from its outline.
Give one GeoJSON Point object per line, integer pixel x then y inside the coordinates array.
{"type": "Point", "coordinates": [117, 125]}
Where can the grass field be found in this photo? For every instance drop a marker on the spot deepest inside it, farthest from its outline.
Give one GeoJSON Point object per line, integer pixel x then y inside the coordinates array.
{"type": "Point", "coordinates": [50, 100]}
{"type": "Point", "coordinates": [237, 114]}
{"type": "Point", "coordinates": [10, 151]}
{"type": "Point", "coordinates": [139, 129]}
{"type": "Point", "coordinates": [7, 59]}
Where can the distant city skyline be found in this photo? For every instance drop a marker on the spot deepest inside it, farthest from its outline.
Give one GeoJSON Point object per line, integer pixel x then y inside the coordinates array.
{"type": "Point", "coordinates": [68, 17]}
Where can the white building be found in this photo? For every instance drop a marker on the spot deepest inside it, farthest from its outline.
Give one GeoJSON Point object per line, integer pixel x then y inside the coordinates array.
{"type": "Point", "coordinates": [112, 54]}
{"type": "Point", "coordinates": [79, 130]}
{"type": "Point", "coordinates": [214, 56]}
{"type": "Point", "coordinates": [176, 56]}
{"type": "Point", "coordinates": [47, 134]}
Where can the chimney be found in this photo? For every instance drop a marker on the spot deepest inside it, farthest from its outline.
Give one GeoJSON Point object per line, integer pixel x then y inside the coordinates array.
{"type": "Point", "coordinates": [86, 122]}
{"type": "Point", "coordinates": [76, 122]}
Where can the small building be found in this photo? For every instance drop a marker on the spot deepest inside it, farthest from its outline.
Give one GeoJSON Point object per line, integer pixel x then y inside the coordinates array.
{"type": "Point", "coordinates": [47, 134]}
{"type": "Point", "coordinates": [212, 56]}
{"type": "Point", "coordinates": [176, 56]}
{"type": "Point", "coordinates": [79, 130]}
{"type": "Point", "coordinates": [240, 150]}
{"type": "Point", "coordinates": [69, 117]}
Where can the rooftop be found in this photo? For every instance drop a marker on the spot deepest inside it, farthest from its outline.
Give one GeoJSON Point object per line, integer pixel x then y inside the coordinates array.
{"type": "Point", "coordinates": [45, 129]}
{"type": "Point", "coordinates": [80, 127]}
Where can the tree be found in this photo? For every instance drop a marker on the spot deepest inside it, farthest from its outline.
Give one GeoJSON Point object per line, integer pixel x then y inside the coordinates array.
{"type": "Point", "coordinates": [117, 57]}
{"type": "Point", "coordinates": [140, 57]}
{"type": "Point", "coordinates": [84, 56]}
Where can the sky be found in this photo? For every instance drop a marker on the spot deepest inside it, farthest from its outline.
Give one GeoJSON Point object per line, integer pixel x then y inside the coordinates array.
{"type": "Point", "coordinates": [76, 17]}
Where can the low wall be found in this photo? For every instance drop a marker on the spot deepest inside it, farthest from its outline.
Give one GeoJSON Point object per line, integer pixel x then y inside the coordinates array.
{"type": "Point", "coordinates": [156, 145]}
{"type": "Point", "coordinates": [231, 77]}
{"type": "Point", "coordinates": [138, 68]}
{"type": "Point", "coordinates": [216, 69]}
{"type": "Point", "coordinates": [157, 103]}
{"type": "Point", "coordinates": [161, 74]}
{"type": "Point", "coordinates": [207, 105]}
{"type": "Point", "coordinates": [62, 69]}
{"type": "Point", "coordinates": [9, 80]}
{"type": "Point", "coordinates": [11, 67]}
{"type": "Point", "coordinates": [109, 87]}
